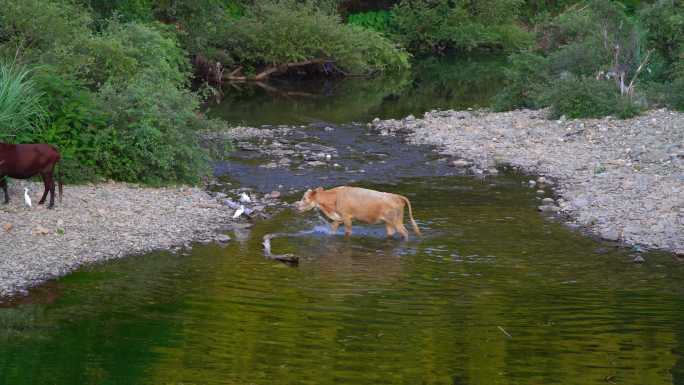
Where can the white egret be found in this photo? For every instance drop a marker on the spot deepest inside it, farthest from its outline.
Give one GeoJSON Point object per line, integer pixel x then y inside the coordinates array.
{"type": "Point", "coordinates": [239, 212]}
{"type": "Point", "coordinates": [244, 198]}
{"type": "Point", "coordinates": [27, 198]}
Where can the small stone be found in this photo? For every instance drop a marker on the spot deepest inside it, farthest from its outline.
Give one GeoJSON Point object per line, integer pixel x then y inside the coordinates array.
{"type": "Point", "coordinates": [460, 163]}
{"type": "Point", "coordinates": [548, 201]}
{"type": "Point", "coordinates": [40, 230]}
{"type": "Point", "coordinates": [223, 238]}
{"type": "Point", "coordinates": [532, 183]}
{"type": "Point", "coordinates": [610, 234]}
{"type": "Point", "coordinates": [7, 227]}
{"type": "Point", "coordinates": [541, 192]}
{"type": "Point", "coordinates": [548, 209]}
{"type": "Point", "coordinates": [274, 194]}
{"type": "Point", "coordinates": [638, 259]}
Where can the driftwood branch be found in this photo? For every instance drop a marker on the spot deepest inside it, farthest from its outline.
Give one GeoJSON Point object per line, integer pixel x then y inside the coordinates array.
{"type": "Point", "coordinates": [287, 258]}
{"type": "Point", "coordinates": [266, 73]}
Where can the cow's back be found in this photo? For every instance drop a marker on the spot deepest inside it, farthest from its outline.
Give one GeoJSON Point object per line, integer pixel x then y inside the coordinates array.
{"type": "Point", "coordinates": [364, 204]}
{"type": "Point", "coordinates": [22, 161]}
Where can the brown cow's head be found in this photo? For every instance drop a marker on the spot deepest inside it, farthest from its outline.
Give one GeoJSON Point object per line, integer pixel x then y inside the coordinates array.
{"type": "Point", "coordinates": [308, 201]}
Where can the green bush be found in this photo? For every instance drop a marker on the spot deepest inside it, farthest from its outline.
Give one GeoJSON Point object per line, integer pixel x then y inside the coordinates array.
{"type": "Point", "coordinates": [525, 76]}
{"type": "Point", "coordinates": [675, 95]}
{"type": "Point", "coordinates": [123, 50]}
{"type": "Point", "coordinates": [274, 33]}
{"type": "Point", "coordinates": [116, 96]}
{"type": "Point", "coordinates": [45, 32]}
{"type": "Point", "coordinates": [664, 24]}
{"type": "Point", "coordinates": [152, 132]}
{"type": "Point", "coordinates": [434, 26]}
{"type": "Point", "coordinates": [587, 98]}
{"type": "Point", "coordinates": [75, 123]}
{"type": "Point", "coordinates": [378, 21]}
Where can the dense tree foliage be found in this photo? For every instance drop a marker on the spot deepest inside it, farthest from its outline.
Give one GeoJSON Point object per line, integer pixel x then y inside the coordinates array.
{"type": "Point", "coordinates": [109, 82]}
{"type": "Point", "coordinates": [599, 58]}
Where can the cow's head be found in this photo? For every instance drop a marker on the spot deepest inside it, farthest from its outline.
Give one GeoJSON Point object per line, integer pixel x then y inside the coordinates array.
{"type": "Point", "coordinates": [308, 201]}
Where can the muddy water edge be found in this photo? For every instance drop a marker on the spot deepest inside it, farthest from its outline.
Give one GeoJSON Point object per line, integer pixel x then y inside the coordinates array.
{"type": "Point", "coordinates": [493, 293]}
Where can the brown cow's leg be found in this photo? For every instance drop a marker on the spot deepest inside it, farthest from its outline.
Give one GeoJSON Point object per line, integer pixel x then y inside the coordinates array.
{"type": "Point", "coordinates": [390, 229]}
{"type": "Point", "coordinates": [49, 183]}
{"type": "Point", "coordinates": [3, 184]}
{"type": "Point", "coordinates": [334, 226]}
{"type": "Point", "coordinates": [46, 188]}
{"type": "Point", "coordinates": [402, 230]}
{"type": "Point", "coordinates": [347, 226]}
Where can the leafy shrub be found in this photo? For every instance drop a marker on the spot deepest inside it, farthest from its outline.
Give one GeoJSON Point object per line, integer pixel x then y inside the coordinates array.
{"type": "Point", "coordinates": [434, 26]}
{"type": "Point", "coordinates": [152, 131]}
{"type": "Point", "coordinates": [675, 96]}
{"type": "Point", "coordinates": [117, 99]}
{"type": "Point", "coordinates": [525, 76]}
{"type": "Point", "coordinates": [21, 108]}
{"type": "Point", "coordinates": [125, 10]}
{"type": "Point", "coordinates": [273, 33]}
{"type": "Point", "coordinates": [587, 98]}
{"type": "Point", "coordinates": [123, 50]}
{"type": "Point", "coordinates": [664, 23]}
{"type": "Point", "coordinates": [44, 32]}
{"type": "Point", "coordinates": [75, 123]}
{"type": "Point", "coordinates": [376, 20]}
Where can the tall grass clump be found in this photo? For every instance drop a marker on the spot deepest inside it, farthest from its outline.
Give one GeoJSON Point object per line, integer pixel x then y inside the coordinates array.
{"type": "Point", "coordinates": [20, 101]}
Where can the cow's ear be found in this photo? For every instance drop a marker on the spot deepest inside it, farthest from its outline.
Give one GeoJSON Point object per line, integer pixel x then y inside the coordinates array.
{"type": "Point", "coordinates": [319, 189]}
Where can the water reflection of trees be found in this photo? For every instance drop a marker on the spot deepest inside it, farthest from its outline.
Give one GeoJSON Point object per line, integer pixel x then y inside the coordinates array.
{"type": "Point", "coordinates": [448, 82]}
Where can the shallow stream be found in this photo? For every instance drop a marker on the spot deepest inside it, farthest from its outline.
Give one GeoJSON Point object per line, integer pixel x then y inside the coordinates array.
{"type": "Point", "coordinates": [493, 293]}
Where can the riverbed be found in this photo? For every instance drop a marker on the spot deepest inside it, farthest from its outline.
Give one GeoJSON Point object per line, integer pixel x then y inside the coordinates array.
{"type": "Point", "coordinates": [494, 292]}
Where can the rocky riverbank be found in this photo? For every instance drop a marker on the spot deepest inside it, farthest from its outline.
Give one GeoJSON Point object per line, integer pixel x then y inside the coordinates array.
{"type": "Point", "coordinates": [622, 179]}
{"type": "Point", "coordinates": [105, 221]}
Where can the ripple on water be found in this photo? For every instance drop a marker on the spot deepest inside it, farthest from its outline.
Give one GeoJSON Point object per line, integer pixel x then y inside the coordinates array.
{"type": "Point", "coordinates": [480, 301]}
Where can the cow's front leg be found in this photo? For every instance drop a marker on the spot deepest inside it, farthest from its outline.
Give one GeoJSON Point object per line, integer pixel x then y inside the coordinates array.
{"type": "Point", "coordinates": [3, 184]}
{"type": "Point", "coordinates": [347, 226]}
{"type": "Point", "coordinates": [333, 227]}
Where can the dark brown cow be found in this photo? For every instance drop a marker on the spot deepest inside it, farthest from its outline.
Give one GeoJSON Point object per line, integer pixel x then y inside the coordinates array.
{"type": "Point", "coordinates": [22, 161]}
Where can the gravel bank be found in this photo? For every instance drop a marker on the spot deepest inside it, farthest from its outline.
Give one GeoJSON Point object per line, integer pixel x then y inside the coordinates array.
{"type": "Point", "coordinates": [622, 179]}
{"type": "Point", "coordinates": [101, 222]}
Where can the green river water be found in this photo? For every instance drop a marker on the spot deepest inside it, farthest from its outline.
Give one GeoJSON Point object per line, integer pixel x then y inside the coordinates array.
{"type": "Point", "coordinates": [493, 293]}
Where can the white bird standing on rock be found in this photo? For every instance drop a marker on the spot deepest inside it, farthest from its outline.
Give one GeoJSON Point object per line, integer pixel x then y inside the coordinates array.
{"type": "Point", "coordinates": [239, 212]}
{"type": "Point", "coordinates": [27, 198]}
{"type": "Point", "coordinates": [244, 198]}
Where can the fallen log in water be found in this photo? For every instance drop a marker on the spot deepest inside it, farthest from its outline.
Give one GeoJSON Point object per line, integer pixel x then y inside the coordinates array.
{"type": "Point", "coordinates": [287, 258]}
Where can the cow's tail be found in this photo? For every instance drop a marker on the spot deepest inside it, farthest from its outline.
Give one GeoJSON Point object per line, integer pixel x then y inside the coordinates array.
{"type": "Point", "coordinates": [59, 181]}
{"type": "Point", "coordinates": [415, 226]}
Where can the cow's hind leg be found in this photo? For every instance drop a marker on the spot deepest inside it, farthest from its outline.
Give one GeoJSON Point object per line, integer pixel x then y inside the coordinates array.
{"type": "Point", "coordinates": [3, 184]}
{"type": "Point", "coordinates": [402, 230]}
{"type": "Point", "coordinates": [46, 188]}
{"type": "Point", "coordinates": [49, 183]}
{"type": "Point", "coordinates": [390, 229]}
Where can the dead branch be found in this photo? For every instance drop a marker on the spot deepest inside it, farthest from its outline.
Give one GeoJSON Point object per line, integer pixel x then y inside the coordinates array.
{"type": "Point", "coordinates": [630, 87]}
{"type": "Point", "coordinates": [266, 73]}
